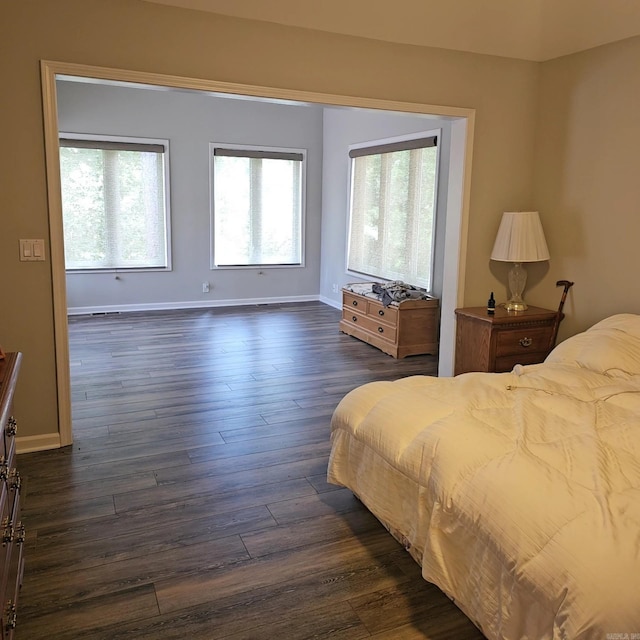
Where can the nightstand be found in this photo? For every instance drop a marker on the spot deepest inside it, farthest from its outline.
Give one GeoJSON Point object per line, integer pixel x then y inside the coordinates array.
{"type": "Point", "coordinates": [497, 343]}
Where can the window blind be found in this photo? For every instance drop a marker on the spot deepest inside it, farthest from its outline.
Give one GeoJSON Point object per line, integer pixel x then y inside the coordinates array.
{"type": "Point", "coordinates": [251, 153]}
{"type": "Point", "coordinates": [391, 147]}
{"type": "Point", "coordinates": [114, 204]}
{"type": "Point", "coordinates": [392, 210]}
{"type": "Point", "coordinates": [111, 145]}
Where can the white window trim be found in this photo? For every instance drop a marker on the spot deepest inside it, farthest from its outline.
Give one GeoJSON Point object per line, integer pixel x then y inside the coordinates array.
{"type": "Point", "coordinates": [303, 206]}
{"type": "Point", "coordinates": [167, 199]}
{"type": "Point", "coordinates": [382, 141]}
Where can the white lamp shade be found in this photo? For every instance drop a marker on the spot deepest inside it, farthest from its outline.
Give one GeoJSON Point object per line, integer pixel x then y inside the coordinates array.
{"type": "Point", "coordinates": [520, 238]}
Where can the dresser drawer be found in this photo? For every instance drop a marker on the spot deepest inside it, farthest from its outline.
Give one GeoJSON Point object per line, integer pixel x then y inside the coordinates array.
{"type": "Point", "coordinates": [381, 313]}
{"type": "Point", "coordinates": [522, 341]}
{"type": "Point", "coordinates": [355, 316]}
{"type": "Point", "coordinates": [371, 324]}
{"type": "Point", "coordinates": [357, 303]}
{"type": "Point", "coordinates": [506, 363]}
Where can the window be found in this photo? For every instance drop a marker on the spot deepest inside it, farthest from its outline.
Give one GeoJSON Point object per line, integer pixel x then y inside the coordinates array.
{"type": "Point", "coordinates": [257, 206]}
{"type": "Point", "coordinates": [114, 204]}
{"type": "Point", "coordinates": [392, 210]}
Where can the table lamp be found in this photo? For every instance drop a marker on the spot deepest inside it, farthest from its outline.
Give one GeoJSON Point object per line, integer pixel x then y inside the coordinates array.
{"type": "Point", "coordinates": [520, 239]}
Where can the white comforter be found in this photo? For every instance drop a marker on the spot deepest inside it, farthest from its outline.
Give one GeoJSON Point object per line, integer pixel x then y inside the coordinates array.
{"type": "Point", "coordinates": [518, 493]}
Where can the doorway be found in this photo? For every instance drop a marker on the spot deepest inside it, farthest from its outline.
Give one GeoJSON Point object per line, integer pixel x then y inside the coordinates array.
{"type": "Point", "coordinates": [462, 121]}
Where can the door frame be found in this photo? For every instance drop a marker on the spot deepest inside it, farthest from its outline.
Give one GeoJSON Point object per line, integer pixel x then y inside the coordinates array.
{"type": "Point", "coordinates": [456, 234]}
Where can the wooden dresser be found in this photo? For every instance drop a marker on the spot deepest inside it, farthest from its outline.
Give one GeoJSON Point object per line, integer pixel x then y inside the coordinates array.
{"type": "Point", "coordinates": [11, 553]}
{"type": "Point", "coordinates": [497, 343]}
{"type": "Point", "coordinates": [401, 329]}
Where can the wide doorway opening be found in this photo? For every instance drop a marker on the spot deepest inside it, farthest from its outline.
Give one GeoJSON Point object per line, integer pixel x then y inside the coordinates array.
{"type": "Point", "coordinates": [454, 235]}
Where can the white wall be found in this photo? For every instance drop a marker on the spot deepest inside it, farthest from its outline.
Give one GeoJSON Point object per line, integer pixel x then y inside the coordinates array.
{"type": "Point", "coordinates": [343, 127]}
{"type": "Point", "coordinates": [191, 121]}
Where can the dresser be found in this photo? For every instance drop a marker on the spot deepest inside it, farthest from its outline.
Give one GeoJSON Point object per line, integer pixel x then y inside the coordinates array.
{"type": "Point", "coordinates": [401, 329]}
{"type": "Point", "coordinates": [497, 343]}
{"type": "Point", "coordinates": [12, 550]}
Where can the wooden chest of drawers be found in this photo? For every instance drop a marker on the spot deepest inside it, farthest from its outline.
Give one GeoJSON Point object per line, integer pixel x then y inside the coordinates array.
{"type": "Point", "coordinates": [404, 329]}
{"type": "Point", "coordinates": [11, 529]}
{"type": "Point", "coordinates": [497, 343]}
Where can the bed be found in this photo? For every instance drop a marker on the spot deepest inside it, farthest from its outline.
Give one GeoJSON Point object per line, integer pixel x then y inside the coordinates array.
{"type": "Point", "coordinates": [517, 493]}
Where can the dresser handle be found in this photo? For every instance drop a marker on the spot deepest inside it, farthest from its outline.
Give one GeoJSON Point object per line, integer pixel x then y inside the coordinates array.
{"type": "Point", "coordinates": [354, 318]}
{"type": "Point", "coordinates": [7, 531]}
{"type": "Point", "coordinates": [12, 427]}
{"type": "Point", "coordinates": [355, 303]}
{"type": "Point", "coordinates": [380, 330]}
{"type": "Point", "coordinates": [11, 616]}
{"type": "Point", "coordinates": [381, 312]}
{"type": "Point", "coordinates": [526, 342]}
{"type": "Point", "coordinates": [21, 533]}
{"type": "Point", "coordinates": [14, 481]}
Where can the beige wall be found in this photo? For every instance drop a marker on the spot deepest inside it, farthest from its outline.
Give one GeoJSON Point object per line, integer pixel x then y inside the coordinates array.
{"type": "Point", "coordinates": [141, 36]}
{"type": "Point", "coordinates": [587, 179]}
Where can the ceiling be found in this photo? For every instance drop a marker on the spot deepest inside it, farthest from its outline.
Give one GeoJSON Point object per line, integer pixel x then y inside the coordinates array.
{"type": "Point", "coordinates": [527, 29]}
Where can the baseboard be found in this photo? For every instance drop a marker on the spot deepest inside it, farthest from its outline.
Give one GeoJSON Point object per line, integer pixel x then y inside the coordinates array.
{"type": "Point", "coordinates": [194, 304]}
{"type": "Point", "coordinates": [336, 304]}
{"type": "Point", "coordinates": [29, 444]}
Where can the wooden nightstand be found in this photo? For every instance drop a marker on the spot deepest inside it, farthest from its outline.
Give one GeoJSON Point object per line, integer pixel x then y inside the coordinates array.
{"type": "Point", "coordinates": [497, 343]}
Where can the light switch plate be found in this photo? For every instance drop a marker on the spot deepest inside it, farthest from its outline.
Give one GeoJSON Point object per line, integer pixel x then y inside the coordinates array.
{"type": "Point", "coordinates": [32, 250]}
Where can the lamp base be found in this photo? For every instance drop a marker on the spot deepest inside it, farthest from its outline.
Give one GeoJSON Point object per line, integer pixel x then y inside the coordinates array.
{"type": "Point", "coordinates": [514, 306]}
{"type": "Point", "coordinates": [517, 282]}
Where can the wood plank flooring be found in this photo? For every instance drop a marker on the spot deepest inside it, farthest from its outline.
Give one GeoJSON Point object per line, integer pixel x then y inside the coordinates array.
{"type": "Point", "coordinates": [193, 502]}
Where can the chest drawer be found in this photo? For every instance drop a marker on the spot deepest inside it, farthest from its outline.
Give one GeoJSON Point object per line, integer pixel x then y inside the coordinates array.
{"type": "Point", "coordinates": [521, 341]}
{"type": "Point", "coordinates": [380, 313]}
{"type": "Point", "coordinates": [357, 303]}
{"type": "Point", "coordinates": [371, 324]}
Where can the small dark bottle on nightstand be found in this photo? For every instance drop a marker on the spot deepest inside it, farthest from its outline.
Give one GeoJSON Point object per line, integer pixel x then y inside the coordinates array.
{"type": "Point", "coordinates": [491, 305]}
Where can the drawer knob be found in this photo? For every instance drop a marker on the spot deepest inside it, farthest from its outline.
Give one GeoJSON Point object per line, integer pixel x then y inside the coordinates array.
{"type": "Point", "coordinates": [355, 303]}
{"type": "Point", "coordinates": [381, 312]}
{"type": "Point", "coordinates": [354, 318]}
{"type": "Point", "coordinates": [380, 330]}
{"type": "Point", "coordinates": [12, 427]}
{"type": "Point", "coordinates": [526, 342]}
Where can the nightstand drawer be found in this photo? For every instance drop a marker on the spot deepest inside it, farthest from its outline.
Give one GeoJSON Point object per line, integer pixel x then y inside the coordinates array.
{"type": "Point", "coordinates": [523, 341]}
{"type": "Point", "coordinates": [506, 363]}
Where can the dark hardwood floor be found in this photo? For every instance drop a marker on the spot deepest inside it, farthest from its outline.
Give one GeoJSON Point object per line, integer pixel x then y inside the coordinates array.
{"type": "Point", "coordinates": [193, 502]}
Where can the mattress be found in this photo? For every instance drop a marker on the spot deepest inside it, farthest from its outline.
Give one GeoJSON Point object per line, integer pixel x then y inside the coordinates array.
{"type": "Point", "coordinates": [517, 493]}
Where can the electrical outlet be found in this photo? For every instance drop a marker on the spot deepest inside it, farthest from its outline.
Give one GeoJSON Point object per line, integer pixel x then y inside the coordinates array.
{"type": "Point", "coordinates": [206, 287]}
{"type": "Point", "coordinates": [335, 288]}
